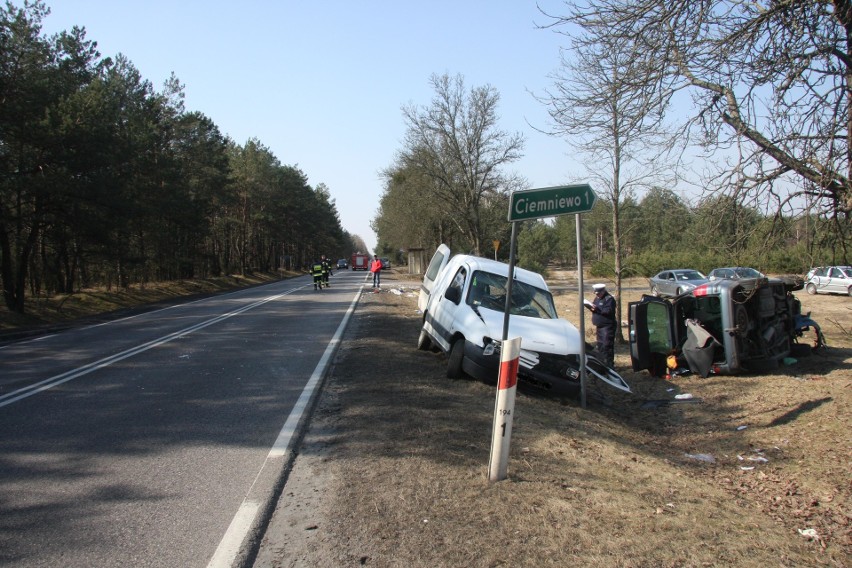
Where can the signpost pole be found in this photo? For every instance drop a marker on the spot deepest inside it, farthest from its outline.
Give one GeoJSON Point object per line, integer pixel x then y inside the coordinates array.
{"type": "Point", "coordinates": [581, 311]}
{"type": "Point", "coordinates": [508, 304]}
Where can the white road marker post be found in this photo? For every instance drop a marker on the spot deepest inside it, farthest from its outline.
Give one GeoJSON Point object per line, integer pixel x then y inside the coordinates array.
{"type": "Point", "coordinates": [504, 409]}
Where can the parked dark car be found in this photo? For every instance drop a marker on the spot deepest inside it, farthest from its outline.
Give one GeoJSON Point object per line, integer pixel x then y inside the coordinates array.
{"type": "Point", "coordinates": [342, 264]}
{"type": "Point", "coordinates": [385, 263]}
{"type": "Point", "coordinates": [828, 279]}
{"type": "Point", "coordinates": [725, 326]}
{"type": "Point", "coordinates": [734, 273]}
{"type": "Point", "coordinates": [675, 282]}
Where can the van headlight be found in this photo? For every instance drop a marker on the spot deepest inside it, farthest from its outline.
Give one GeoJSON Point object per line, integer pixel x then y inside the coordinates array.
{"type": "Point", "coordinates": [491, 346]}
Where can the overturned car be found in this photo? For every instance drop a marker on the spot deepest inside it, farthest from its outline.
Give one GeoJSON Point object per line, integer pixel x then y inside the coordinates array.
{"type": "Point", "coordinates": [463, 301]}
{"type": "Point", "coordinates": [724, 326]}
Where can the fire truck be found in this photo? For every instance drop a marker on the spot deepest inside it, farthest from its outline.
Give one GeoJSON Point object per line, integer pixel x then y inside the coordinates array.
{"type": "Point", "coordinates": [360, 261]}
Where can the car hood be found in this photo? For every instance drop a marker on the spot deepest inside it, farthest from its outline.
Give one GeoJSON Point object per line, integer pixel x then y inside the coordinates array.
{"type": "Point", "coordinates": [557, 336]}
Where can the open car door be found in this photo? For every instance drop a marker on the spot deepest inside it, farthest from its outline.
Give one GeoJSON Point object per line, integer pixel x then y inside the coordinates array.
{"type": "Point", "coordinates": [436, 265]}
{"type": "Point", "coordinates": [652, 334]}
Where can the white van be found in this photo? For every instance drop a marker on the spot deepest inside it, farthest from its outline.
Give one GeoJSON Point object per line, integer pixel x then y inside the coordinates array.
{"type": "Point", "coordinates": [463, 301]}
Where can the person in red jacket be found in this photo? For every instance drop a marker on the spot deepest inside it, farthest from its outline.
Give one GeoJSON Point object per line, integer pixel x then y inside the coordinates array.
{"type": "Point", "coordinates": [376, 269]}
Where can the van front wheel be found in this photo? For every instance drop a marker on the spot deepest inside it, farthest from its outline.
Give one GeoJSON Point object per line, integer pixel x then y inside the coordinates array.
{"type": "Point", "coordinates": [454, 361]}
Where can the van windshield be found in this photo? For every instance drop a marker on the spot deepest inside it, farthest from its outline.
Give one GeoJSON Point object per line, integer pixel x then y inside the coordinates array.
{"type": "Point", "coordinates": [488, 290]}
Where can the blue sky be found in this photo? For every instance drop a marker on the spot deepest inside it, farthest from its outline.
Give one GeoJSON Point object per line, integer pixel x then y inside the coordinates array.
{"type": "Point", "coordinates": [321, 82]}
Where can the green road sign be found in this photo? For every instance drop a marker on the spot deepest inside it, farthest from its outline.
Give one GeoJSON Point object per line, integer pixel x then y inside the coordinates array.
{"type": "Point", "coordinates": [551, 201]}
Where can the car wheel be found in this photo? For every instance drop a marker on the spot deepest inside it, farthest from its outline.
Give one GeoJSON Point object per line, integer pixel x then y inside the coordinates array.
{"type": "Point", "coordinates": [678, 292]}
{"type": "Point", "coordinates": [454, 361]}
{"type": "Point", "coordinates": [424, 343]}
{"type": "Point", "coordinates": [849, 291]}
{"type": "Point", "coordinates": [812, 289]}
{"type": "Point", "coordinates": [654, 291]}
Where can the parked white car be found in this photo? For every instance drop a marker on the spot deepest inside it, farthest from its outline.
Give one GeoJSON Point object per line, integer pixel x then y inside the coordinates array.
{"type": "Point", "coordinates": [463, 301]}
{"type": "Point", "coordinates": [829, 279]}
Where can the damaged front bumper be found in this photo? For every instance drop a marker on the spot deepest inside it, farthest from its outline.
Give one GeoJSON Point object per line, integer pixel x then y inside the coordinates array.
{"type": "Point", "coordinates": [555, 374]}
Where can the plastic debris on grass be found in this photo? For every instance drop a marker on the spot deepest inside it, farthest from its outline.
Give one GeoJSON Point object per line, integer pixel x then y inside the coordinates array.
{"type": "Point", "coordinates": [707, 458]}
{"type": "Point", "coordinates": [758, 458]}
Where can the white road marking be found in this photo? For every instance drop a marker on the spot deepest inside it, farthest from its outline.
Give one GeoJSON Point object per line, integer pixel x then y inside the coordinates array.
{"type": "Point", "coordinates": [240, 527]}
{"type": "Point", "coordinates": [228, 549]}
{"type": "Point", "coordinates": [56, 380]}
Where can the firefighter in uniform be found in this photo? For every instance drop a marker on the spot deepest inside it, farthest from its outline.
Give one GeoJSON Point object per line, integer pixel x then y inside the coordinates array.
{"type": "Point", "coordinates": [326, 271]}
{"type": "Point", "coordinates": [603, 318]}
{"type": "Point", "coordinates": [316, 272]}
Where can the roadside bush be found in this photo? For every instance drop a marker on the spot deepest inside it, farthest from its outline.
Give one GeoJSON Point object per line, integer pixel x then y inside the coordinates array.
{"type": "Point", "coordinates": [789, 261]}
{"type": "Point", "coordinates": [602, 268]}
{"type": "Point", "coordinates": [649, 263]}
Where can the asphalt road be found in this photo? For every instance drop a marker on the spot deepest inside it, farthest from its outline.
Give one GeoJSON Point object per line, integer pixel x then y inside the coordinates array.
{"type": "Point", "coordinates": [161, 439]}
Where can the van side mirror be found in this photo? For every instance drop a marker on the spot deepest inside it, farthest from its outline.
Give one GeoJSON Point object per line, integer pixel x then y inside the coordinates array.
{"type": "Point", "coordinates": [453, 294]}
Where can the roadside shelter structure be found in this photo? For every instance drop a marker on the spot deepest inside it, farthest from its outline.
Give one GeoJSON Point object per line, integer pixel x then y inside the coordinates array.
{"type": "Point", "coordinates": [416, 260]}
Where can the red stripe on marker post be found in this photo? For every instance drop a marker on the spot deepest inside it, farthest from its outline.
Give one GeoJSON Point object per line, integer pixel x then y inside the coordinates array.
{"type": "Point", "coordinates": [504, 409]}
{"type": "Point", "coordinates": [509, 373]}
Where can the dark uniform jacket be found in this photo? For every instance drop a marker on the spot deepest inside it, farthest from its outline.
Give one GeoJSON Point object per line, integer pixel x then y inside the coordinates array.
{"type": "Point", "coordinates": [604, 314]}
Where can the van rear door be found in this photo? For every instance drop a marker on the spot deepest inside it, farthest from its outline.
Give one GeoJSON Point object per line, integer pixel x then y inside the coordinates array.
{"type": "Point", "coordinates": [652, 334]}
{"type": "Point", "coordinates": [436, 265]}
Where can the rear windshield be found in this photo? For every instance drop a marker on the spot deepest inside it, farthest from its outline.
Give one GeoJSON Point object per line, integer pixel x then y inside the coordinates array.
{"type": "Point", "coordinates": [434, 266]}
{"type": "Point", "coordinates": [488, 290]}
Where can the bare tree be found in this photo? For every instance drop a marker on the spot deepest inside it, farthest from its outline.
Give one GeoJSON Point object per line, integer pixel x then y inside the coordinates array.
{"type": "Point", "coordinates": [601, 107]}
{"type": "Point", "coordinates": [407, 216]}
{"type": "Point", "coordinates": [770, 83]}
{"type": "Point", "coordinates": [455, 142]}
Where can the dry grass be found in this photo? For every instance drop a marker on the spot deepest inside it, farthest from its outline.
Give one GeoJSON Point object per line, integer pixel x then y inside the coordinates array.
{"type": "Point", "coordinates": [404, 452]}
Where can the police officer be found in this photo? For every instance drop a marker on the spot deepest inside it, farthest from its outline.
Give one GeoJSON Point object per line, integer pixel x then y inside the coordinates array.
{"type": "Point", "coordinates": [603, 318]}
{"type": "Point", "coordinates": [317, 272]}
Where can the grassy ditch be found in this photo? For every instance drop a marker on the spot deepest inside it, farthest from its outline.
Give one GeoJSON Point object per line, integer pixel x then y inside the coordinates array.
{"type": "Point", "coordinates": [754, 471]}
